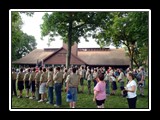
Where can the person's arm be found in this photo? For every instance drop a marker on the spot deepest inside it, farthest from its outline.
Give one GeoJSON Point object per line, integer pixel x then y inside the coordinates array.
{"type": "Point", "coordinates": [55, 77]}
{"type": "Point", "coordinates": [142, 78]}
{"type": "Point", "coordinates": [95, 94]}
{"type": "Point", "coordinates": [24, 79]}
{"type": "Point", "coordinates": [36, 77]}
{"type": "Point", "coordinates": [67, 82]}
{"type": "Point", "coordinates": [133, 88]}
{"type": "Point", "coordinates": [96, 90]}
{"type": "Point", "coordinates": [30, 78]}
{"type": "Point", "coordinates": [41, 78]}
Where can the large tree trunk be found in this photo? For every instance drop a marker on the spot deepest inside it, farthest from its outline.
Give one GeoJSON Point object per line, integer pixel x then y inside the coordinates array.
{"type": "Point", "coordinates": [69, 42]}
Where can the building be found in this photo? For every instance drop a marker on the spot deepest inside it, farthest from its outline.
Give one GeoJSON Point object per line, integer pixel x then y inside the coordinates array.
{"type": "Point", "coordinates": [93, 57]}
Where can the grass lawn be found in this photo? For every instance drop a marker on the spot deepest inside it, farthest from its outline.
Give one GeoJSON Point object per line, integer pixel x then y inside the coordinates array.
{"type": "Point", "coordinates": [85, 101]}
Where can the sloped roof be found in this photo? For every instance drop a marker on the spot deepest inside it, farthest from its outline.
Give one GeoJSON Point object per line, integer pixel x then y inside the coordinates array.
{"type": "Point", "coordinates": [59, 57]}
{"type": "Point", "coordinates": [108, 57]}
{"type": "Point", "coordinates": [32, 57]}
{"type": "Point", "coordinates": [85, 56]}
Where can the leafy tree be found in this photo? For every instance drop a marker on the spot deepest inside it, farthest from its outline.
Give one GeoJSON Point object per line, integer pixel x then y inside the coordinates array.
{"type": "Point", "coordinates": [70, 26]}
{"type": "Point", "coordinates": [21, 42]}
{"type": "Point", "coordinates": [26, 45]}
{"type": "Point", "coordinates": [129, 29]}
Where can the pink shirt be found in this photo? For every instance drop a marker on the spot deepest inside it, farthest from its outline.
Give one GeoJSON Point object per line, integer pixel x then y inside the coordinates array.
{"type": "Point", "coordinates": [101, 88]}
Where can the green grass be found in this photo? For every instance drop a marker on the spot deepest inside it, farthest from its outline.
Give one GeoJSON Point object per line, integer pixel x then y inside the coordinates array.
{"type": "Point", "coordinates": [85, 101]}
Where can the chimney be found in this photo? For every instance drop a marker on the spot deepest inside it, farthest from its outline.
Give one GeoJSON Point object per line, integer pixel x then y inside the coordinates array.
{"type": "Point", "coordinates": [74, 49]}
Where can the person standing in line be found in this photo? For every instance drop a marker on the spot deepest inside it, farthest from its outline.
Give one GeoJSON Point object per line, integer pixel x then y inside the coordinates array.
{"type": "Point", "coordinates": [100, 91]}
{"type": "Point", "coordinates": [95, 74]}
{"type": "Point", "coordinates": [82, 78]}
{"type": "Point", "coordinates": [64, 78]}
{"type": "Point", "coordinates": [57, 78]}
{"type": "Point", "coordinates": [131, 89]}
{"type": "Point", "coordinates": [89, 79]}
{"type": "Point", "coordinates": [37, 83]}
{"type": "Point", "coordinates": [42, 89]}
{"type": "Point", "coordinates": [50, 86]}
{"type": "Point", "coordinates": [14, 75]}
{"type": "Point", "coordinates": [106, 79]}
{"type": "Point", "coordinates": [121, 80]}
{"type": "Point", "coordinates": [32, 82]}
{"type": "Point", "coordinates": [141, 79]}
{"type": "Point", "coordinates": [26, 82]}
{"type": "Point", "coordinates": [19, 78]}
{"type": "Point", "coordinates": [72, 82]}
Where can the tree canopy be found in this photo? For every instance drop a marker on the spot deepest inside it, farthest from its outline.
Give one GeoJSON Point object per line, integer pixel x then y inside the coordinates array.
{"type": "Point", "coordinates": [70, 26]}
{"type": "Point", "coordinates": [129, 29]}
{"type": "Point", "coordinates": [21, 42]}
{"type": "Point", "coordinates": [117, 28]}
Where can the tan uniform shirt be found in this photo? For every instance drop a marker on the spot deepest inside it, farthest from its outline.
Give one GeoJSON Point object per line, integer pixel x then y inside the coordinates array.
{"type": "Point", "coordinates": [50, 78]}
{"type": "Point", "coordinates": [14, 75]}
{"type": "Point", "coordinates": [37, 77]}
{"type": "Point", "coordinates": [72, 80]}
{"type": "Point", "coordinates": [32, 76]}
{"type": "Point", "coordinates": [26, 76]}
{"type": "Point", "coordinates": [121, 77]}
{"type": "Point", "coordinates": [58, 77]}
{"type": "Point", "coordinates": [43, 77]}
{"type": "Point", "coordinates": [20, 76]}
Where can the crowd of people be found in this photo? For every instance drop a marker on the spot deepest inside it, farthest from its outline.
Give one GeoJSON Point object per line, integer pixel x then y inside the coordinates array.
{"type": "Point", "coordinates": [44, 81]}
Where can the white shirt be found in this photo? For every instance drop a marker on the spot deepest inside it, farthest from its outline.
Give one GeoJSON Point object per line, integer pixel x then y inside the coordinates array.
{"type": "Point", "coordinates": [129, 87]}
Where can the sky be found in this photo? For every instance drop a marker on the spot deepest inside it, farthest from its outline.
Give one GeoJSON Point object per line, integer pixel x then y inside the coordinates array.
{"type": "Point", "coordinates": [31, 26]}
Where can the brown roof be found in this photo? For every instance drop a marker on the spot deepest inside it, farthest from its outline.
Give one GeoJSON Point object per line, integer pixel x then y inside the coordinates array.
{"type": "Point", "coordinates": [107, 57]}
{"type": "Point", "coordinates": [59, 57]}
{"type": "Point", "coordinates": [32, 57]}
{"type": "Point", "coordinates": [90, 56]}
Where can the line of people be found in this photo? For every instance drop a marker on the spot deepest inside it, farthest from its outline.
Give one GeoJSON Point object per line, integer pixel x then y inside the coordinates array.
{"type": "Point", "coordinates": [42, 80]}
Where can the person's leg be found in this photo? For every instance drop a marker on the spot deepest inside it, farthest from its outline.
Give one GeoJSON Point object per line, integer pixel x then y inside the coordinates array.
{"type": "Point", "coordinates": [70, 104]}
{"type": "Point", "coordinates": [130, 103]}
{"type": "Point", "coordinates": [74, 105]}
{"type": "Point", "coordinates": [89, 87]}
{"type": "Point", "coordinates": [14, 88]}
{"type": "Point", "coordinates": [74, 95]}
{"type": "Point", "coordinates": [37, 92]}
{"type": "Point", "coordinates": [33, 88]}
{"type": "Point", "coordinates": [11, 87]}
{"type": "Point", "coordinates": [107, 87]}
{"type": "Point", "coordinates": [58, 94]}
{"type": "Point", "coordinates": [102, 106]}
{"type": "Point", "coordinates": [133, 103]}
{"type": "Point", "coordinates": [50, 95]}
{"type": "Point", "coordinates": [27, 92]}
{"type": "Point", "coordinates": [27, 88]}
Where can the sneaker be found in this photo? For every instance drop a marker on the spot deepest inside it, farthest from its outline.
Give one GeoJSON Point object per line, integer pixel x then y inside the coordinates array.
{"type": "Point", "coordinates": [41, 101]}
{"type": "Point", "coordinates": [142, 95]}
{"type": "Point", "coordinates": [27, 97]}
{"type": "Point", "coordinates": [55, 105]}
{"type": "Point", "coordinates": [48, 102]}
{"type": "Point", "coordinates": [19, 96]}
{"type": "Point", "coordinates": [31, 98]}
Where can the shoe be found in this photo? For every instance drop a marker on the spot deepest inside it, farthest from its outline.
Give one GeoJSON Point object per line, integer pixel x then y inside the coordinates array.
{"type": "Point", "coordinates": [45, 99]}
{"type": "Point", "coordinates": [55, 105]}
{"type": "Point", "coordinates": [31, 98]}
{"type": "Point", "coordinates": [19, 96]}
{"type": "Point", "coordinates": [141, 95]}
{"type": "Point", "coordinates": [41, 101]}
{"type": "Point", "coordinates": [27, 97]}
{"type": "Point", "coordinates": [48, 102]}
